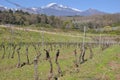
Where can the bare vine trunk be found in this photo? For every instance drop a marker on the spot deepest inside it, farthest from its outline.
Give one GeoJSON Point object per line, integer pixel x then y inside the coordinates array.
{"type": "Point", "coordinates": [18, 52]}
{"type": "Point", "coordinates": [14, 47]}
{"type": "Point", "coordinates": [27, 55]}
{"type": "Point", "coordinates": [56, 61]}
{"type": "Point", "coordinates": [50, 62]}
{"type": "Point", "coordinates": [91, 52]}
{"type": "Point", "coordinates": [36, 69]}
{"type": "Point", "coordinates": [3, 52]}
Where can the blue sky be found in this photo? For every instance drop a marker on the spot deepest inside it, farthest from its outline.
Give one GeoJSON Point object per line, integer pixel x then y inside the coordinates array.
{"type": "Point", "coordinates": [111, 6]}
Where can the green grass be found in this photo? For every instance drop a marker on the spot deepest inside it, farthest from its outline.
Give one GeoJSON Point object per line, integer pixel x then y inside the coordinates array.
{"type": "Point", "coordinates": [27, 36]}
{"type": "Point", "coordinates": [96, 68]}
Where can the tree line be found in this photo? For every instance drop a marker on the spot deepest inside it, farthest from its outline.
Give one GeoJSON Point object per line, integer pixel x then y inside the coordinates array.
{"type": "Point", "coordinates": [19, 17]}
{"type": "Point", "coordinates": [94, 21]}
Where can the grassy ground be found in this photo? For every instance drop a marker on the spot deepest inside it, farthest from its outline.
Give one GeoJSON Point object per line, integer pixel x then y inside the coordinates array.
{"type": "Point", "coordinates": [6, 35]}
{"type": "Point", "coordinates": [105, 65]}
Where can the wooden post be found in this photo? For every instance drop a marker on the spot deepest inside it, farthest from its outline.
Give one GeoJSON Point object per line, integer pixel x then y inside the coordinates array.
{"type": "Point", "coordinates": [27, 55]}
{"type": "Point", "coordinates": [36, 69]}
{"type": "Point", "coordinates": [83, 47]}
{"type": "Point", "coordinates": [91, 52]}
{"type": "Point", "coordinates": [100, 41]}
{"type": "Point", "coordinates": [75, 53]}
{"type": "Point", "coordinates": [76, 62]}
{"type": "Point", "coordinates": [18, 51]}
{"type": "Point", "coordinates": [9, 50]}
{"type": "Point", "coordinates": [14, 47]}
{"type": "Point", "coordinates": [4, 52]}
{"type": "Point", "coordinates": [80, 56]}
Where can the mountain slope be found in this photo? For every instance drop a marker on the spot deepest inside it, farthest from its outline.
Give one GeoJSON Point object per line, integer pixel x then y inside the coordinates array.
{"type": "Point", "coordinates": [59, 10]}
{"type": "Point", "coordinates": [2, 8]}
{"type": "Point", "coordinates": [92, 12]}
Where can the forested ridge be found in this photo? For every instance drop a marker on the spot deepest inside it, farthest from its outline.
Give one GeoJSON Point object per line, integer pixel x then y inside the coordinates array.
{"type": "Point", "coordinates": [24, 18]}
{"type": "Point", "coordinates": [95, 21]}
{"type": "Point", "coordinates": [19, 17]}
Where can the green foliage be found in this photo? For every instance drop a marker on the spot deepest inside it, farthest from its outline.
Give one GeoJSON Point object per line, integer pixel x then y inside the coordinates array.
{"type": "Point", "coordinates": [107, 28]}
{"type": "Point", "coordinates": [94, 21]}
{"type": "Point", "coordinates": [23, 18]}
{"type": "Point", "coordinates": [116, 24]}
{"type": "Point", "coordinates": [29, 36]}
{"type": "Point", "coordinates": [67, 25]}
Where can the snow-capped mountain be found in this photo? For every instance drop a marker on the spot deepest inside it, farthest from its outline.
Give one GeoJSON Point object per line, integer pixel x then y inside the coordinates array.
{"type": "Point", "coordinates": [2, 8]}
{"type": "Point", "coordinates": [59, 7]}
{"type": "Point", "coordinates": [59, 10]}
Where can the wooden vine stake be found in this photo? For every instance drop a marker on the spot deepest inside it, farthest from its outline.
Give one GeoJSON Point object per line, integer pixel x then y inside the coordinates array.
{"type": "Point", "coordinates": [4, 51]}
{"type": "Point", "coordinates": [82, 55]}
{"type": "Point", "coordinates": [36, 69]}
{"type": "Point", "coordinates": [76, 63]}
{"type": "Point", "coordinates": [9, 51]}
{"type": "Point", "coordinates": [14, 47]}
{"type": "Point", "coordinates": [18, 52]}
{"type": "Point", "coordinates": [100, 41]}
{"type": "Point", "coordinates": [27, 55]}
{"type": "Point", "coordinates": [91, 52]}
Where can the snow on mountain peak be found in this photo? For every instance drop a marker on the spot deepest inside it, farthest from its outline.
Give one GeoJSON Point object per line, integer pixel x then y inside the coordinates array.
{"type": "Point", "coordinates": [63, 6]}
{"type": "Point", "coordinates": [76, 9]}
{"type": "Point", "coordinates": [34, 9]}
{"type": "Point", "coordinates": [60, 7]}
{"type": "Point", "coordinates": [54, 5]}
{"type": "Point", "coordinates": [51, 4]}
{"type": "Point", "coordinates": [3, 7]}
